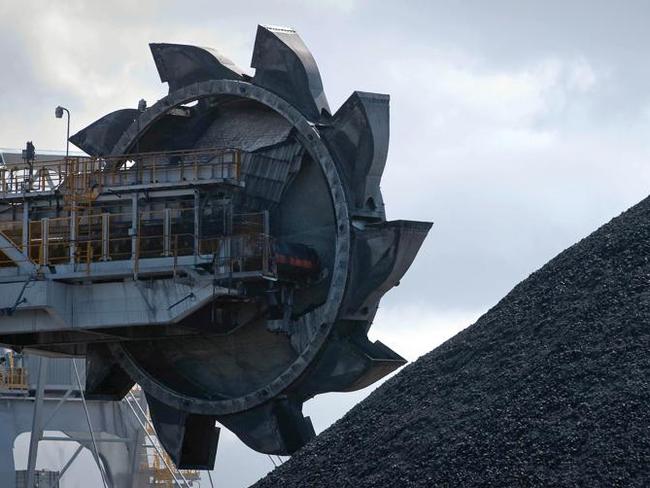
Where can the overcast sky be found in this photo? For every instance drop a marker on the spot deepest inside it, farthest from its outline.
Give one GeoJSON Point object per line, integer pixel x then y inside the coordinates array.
{"type": "Point", "coordinates": [518, 127]}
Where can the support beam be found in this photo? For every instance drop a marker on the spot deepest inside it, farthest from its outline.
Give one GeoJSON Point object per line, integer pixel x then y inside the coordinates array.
{"type": "Point", "coordinates": [106, 222]}
{"type": "Point", "coordinates": [37, 421]}
{"type": "Point", "coordinates": [73, 232]}
{"type": "Point", "coordinates": [85, 439]}
{"type": "Point", "coordinates": [167, 232]}
{"type": "Point", "coordinates": [12, 252]}
{"type": "Point", "coordinates": [66, 466]}
{"type": "Point", "coordinates": [63, 399]}
{"type": "Point", "coordinates": [45, 242]}
{"type": "Point", "coordinates": [134, 227]}
{"type": "Point", "coordinates": [197, 221]}
{"type": "Point", "coordinates": [95, 451]}
{"type": "Point", "coordinates": [25, 239]}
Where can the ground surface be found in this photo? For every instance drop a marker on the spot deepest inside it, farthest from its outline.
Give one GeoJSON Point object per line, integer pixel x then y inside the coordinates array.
{"type": "Point", "coordinates": [551, 387]}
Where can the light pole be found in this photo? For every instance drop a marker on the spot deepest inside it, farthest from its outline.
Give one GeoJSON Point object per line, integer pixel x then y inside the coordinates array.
{"type": "Point", "coordinates": [58, 112]}
{"type": "Point", "coordinates": [59, 115]}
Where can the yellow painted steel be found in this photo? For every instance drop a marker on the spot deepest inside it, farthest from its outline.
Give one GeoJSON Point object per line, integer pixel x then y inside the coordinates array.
{"type": "Point", "coordinates": [83, 178]}
{"type": "Point", "coordinates": [12, 377]}
{"type": "Point", "coordinates": [155, 461]}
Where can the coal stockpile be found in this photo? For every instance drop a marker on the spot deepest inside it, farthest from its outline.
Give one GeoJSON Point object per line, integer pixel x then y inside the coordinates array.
{"type": "Point", "coordinates": [551, 387]}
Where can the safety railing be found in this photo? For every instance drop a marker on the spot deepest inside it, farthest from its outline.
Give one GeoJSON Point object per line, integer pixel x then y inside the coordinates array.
{"type": "Point", "coordinates": [79, 177]}
{"type": "Point", "coordinates": [25, 179]}
{"type": "Point", "coordinates": [103, 237]}
{"type": "Point", "coordinates": [13, 379]}
{"type": "Point", "coordinates": [168, 232]}
{"type": "Point", "coordinates": [249, 223]}
{"type": "Point", "coordinates": [49, 240]}
{"type": "Point", "coordinates": [173, 166]}
{"type": "Point", "coordinates": [240, 254]}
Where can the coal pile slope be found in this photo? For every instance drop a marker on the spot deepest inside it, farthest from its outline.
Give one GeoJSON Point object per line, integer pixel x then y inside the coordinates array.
{"type": "Point", "coordinates": [549, 388]}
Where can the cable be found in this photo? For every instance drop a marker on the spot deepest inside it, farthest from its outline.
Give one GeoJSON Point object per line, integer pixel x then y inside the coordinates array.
{"type": "Point", "coordinates": [153, 444]}
{"type": "Point", "coordinates": [90, 427]}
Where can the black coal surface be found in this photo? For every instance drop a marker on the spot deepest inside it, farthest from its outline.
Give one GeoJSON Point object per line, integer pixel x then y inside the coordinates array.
{"type": "Point", "coordinates": [551, 387]}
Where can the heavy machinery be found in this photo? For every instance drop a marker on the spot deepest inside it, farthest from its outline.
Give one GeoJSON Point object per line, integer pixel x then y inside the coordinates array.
{"type": "Point", "coordinates": [225, 248]}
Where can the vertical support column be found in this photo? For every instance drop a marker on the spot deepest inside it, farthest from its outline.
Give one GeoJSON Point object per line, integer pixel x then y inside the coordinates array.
{"type": "Point", "coordinates": [225, 244]}
{"type": "Point", "coordinates": [133, 231]}
{"type": "Point", "coordinates": [265, 223]}
{"type": "Point", "coordinates": [266, 244]}
{"type": "Point", "coordinates": [106, 233]}
{"type": "Point", "coordinates": [7, 439]}
{"type": "Point", "coordinates": [45, 242]}
{"type": "Point", "coordinates": [37, 421]}
{"type": "Point", "coordinates": [197, 221]}
{"type": "Point", "coordinates": [134, 227]}
{"type": "Point", "coordinates": [25, 242]}
{"type": "Point", "coordinates": [73, 232]}
{"type": "Point", "coordinates": [66, 466]}
{"type": "Point", "coordinates": [237, 165]}
{"type": "Point", "coordinates": [167, 232]}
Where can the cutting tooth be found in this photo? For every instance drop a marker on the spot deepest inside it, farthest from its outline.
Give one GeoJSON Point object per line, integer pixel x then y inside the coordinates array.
{"type": "Point", "coordinates": [349, 362]}
{"type": "Point", "coordinates": [190, 439]}
{"type": "Point", "coordinates": [275, 427]}
{"type": "Point", "coordinates": [284, 65]}
{"type": "Point", "coordinates": [380, 255]}
{"type": "Point", "coordinates": [99, 138]}
{"type": "Point", "coordinates": [358, 136]}
{"type": "Point", "coordinates": [105, 379]}
{"type": "Point", "coordinates": [182, 65]}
